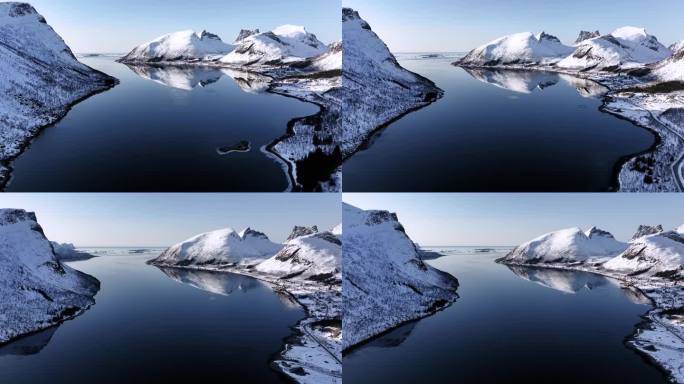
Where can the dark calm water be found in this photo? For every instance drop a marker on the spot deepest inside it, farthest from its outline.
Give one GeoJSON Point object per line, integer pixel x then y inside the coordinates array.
{"type": "Point", "coordinates": [512, 131]}
{"type": "Point", "coordinates": [162, 135]}
{"type": "Point", "coordinates": [522, 326]}
{"type": "Point", "coordinates": [148, 326]}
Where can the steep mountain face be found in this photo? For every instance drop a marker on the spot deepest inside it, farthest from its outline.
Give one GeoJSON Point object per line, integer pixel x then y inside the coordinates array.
{"type": "Point", "coordinates": [245, 33]}
{"type": "Point", "coordinates": [652, 254]}
{"type": "Point", "coordinates": [37, 290]}
{"type": "Point", "coordinates": [39, 78]}
{"type": "Point", "coordinates": [567, 245]}
{"type": "Point", "coordinates": [385, 282]}
{"type": "Point", "coordinates": [330, 60]}
{"type": "Point", "coordinates": [518, 49]}
{"type": "Point", "coordinates": [219, 248]}
{"type": "Point", "coordinates": [287, 43]}
{"type": "Point", "coordinates": [624, 48]}
{"type": "Point", "coordinates": [316, 257]}
{"type": "Point", "coordinates": [377, 89]}
{"type": "Point", "coordinates": [299, 231]}
{"type": "Point", "coordinates": [179, 46]}
{"type": "Point", "coordinates": [586, 35]}
{"type": "Point", "coordinates": [645, 230]}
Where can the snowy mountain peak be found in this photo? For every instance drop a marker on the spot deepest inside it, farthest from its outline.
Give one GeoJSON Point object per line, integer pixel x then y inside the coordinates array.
{"type": "Point", "coordinates": [13, 216]}
{"type": "Point", "coordinates": [594, 231]}
{"type": "Point", "coordinates": [249, 232]}
{"type": "Point", "coordinates": [586, 35]}
{"type": "Point", "coordinates": [15, 9]}
{"type": "Point", "coordinates": [630, 33]}
{"type": "Point", "coordinates": [223, 246]}
{"type": "Point", "coordinates": [179, 46]}
{"type": "Point", "coordinates": [566, 245]}
{"type": "Point", "coordinates": [518, 49]}
{"type": "Point", "coordinates": [245, 33]}
{"type": "Point", "coordinates": [289, 30]}
{"type": "Point", "coordinates": [645, 230]}
{"type": "Point", "coordinates": [299, 231]}
{"type": "Point", "coordinates": [656, 253]}
{"type": "Point", "coordinates": [545, 36]}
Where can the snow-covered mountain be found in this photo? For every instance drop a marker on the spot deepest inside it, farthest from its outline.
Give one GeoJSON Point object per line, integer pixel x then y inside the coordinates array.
{"type": "Point", "coordinates": [672, 68]}
{"type": "Point", "coordinates": [521, 49]}
{"type": "Point", "coordinates": [377, 89]}
{"type": "Point", "coordinates": [385, 282]}
{"type": "Point", "coordinates": [652, 253]}
{"type": "Point", "coordinates": [624, 48]}
{"type": "Point", "coordinates": [330, 60]}
{"type": "Point", "coordinates": [285, 44]}
{"type": "Point", "coordinates": [179, 46]}
{"type": "Point", "coordinates": [567, 245]}
{"type": "Point", "coordinates": [220, 247]}
{"type": "Point", "coordinates": [314, 256]}
{"type": "Point", "coordinates": [586, 35]}
{"type": "Point", "coordinates": [37, 290]}
{"type": "Point", "coordinates": [40, 78]}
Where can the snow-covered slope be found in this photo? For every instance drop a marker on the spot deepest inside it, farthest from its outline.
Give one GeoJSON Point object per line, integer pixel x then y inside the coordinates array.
{"type": "Point", "coordinates": [624, 48]}
{"type": "Point", "coordinates": [284, 44]}
{"type": "Point", "coordinates": [37, 290]}
{"type": "Point", "coordinates": [220, 247]}
{"type": "Point", "coordinates": [518, 49]}
{"type": "Point", "coordinates": [330, 60]}
{"type": "Point", "coordinates": [377, 89]}
{"type": "Point", "coordinates": [385, 283]}
{"type": "Point", "coordinates": [179, 46]}
{"type": "Point", "coordinates": [657, 254]}
{"type": "Point", "coordinates": [567, 245]}
{"type": "Point", "coordinates": [316, 257]}
{"type": "Point", "coordinates": [39, 78]}
{"type": "Point", "coordinates": [672, 68]}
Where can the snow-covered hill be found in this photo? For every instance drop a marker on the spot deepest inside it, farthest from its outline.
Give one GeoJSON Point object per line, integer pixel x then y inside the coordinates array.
{"type": "Point", "coordinates": [220, 247]}
{"type": "Point", "coordinates": [654, 253]}
{"type": "Point", "coordinates": [385, 283]}
{"type": "Point", "coordinates": [567, 245]}
{"type": "Point", "coordinates": [182, 46]}
{"type": "Point", "coordinates": [521, 49]}
{"type": "Point", "coordinates": [37, 290]}
{"type": "Point", "coordinates": [624, 48]}
{"type": "Point", "coordinates": [40, 79]}
{"type": "Point", "coordinates": [285, 44]}
{"type": "Point", "coordinates": [377, 89]}
{"type": "Point", "coordinates": [316, 256]}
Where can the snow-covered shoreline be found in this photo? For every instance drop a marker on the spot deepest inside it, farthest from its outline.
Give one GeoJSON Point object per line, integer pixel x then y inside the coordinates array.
{"type": "Point", "coordinates": [651, 262]}
{"type": "Point", "coordinates": [644, 83]}
{"type": "Point", "coordinates": [303, 358]}
{"type": "Point", "coordinates": [665, 296]}
{"type": "Point", "coordinates": [306, 268]}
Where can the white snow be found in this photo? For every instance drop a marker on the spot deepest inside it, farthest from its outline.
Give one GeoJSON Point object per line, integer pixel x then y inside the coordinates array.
{"type": "Point", "coordinates": [624, 48]}
{"type": "Point", "coordinates": [660, 254]}
{"type": "Point", "coordinates": [385, 282]}
{"type": "Point", "coordinates": [37, 290]}
{"type": "Point", "coordinates": [223, 246]}
{"type": "Point", "coordinates": [315, 256]}
{"type": "Point", "coordinates": [179, 46]}
{"type": "Point", "coordinates": [284, 44]}
{"type": "Point", "coordinates": [523, 48]}
{"type": "Point", "coordinates": [672, 68]}
{"type": "Point", "coordinates": [567, 245]}
{"type": "Point", "coordinates": [39, 79]}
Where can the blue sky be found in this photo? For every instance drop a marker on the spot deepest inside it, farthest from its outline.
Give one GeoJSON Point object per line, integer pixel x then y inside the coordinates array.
{"type": "Point", "coordinates": [461, 25]}
{"type": "Point", "coordinates": [119, 26]}
{"type": "Point", "coordinates": [165, 219]}
{"type": "Point", "coordinates": [510, 219]}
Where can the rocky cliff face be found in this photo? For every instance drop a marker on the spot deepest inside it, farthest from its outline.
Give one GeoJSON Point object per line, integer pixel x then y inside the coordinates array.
{"type": "Point", "coordinates": [37, 290]}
